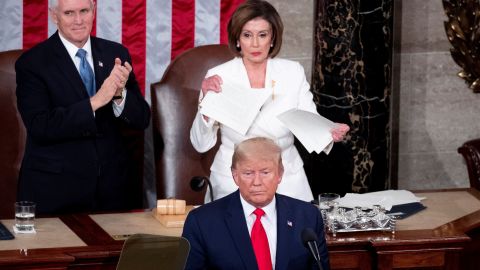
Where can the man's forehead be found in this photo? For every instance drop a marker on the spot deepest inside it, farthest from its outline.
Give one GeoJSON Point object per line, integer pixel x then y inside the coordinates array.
{"type": "Point", "coordinates": [70, 4]}
{"type": "Point", "coordinates": [257, 161]}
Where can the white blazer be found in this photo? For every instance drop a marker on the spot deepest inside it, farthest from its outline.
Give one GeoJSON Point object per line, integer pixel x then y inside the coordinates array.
{"type": "Point", "coordinates": [290, 90]}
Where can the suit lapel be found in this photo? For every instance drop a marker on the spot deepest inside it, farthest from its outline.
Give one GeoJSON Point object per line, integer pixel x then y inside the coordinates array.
{"type": "Point", "coordinates": [65, 64]}
{"type": "Point", "coordinates": [285, 225]}
{"type": "Point", "coordinates": [99, 63]}
{"type": "Point", "coordinates": [237, 226]}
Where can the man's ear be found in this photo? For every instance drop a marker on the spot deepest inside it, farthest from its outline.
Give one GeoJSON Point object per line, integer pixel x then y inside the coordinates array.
{"type": "Point", "coordinates": [280, 176]}
{"type": "Point", "coordinates": [53, 15]}
{"type": "Point", "coordinates": [235, 176]}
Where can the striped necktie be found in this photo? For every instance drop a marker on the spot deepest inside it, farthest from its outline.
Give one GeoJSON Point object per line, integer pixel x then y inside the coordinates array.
{"type": "Point", "coordinates": [86, 72]}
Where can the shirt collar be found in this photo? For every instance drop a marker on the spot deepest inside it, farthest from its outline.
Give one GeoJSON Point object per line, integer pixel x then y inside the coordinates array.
{"type": "Point", "coordinates": [270, 209]}
{"type": "Point", "coordinates": [72, 49]}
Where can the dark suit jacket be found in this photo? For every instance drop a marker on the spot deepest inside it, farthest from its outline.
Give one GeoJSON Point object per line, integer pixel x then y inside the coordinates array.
{"type": "Point", "coordinates": [74, 160]}
{"type": "Point", "coordinates": [219, 237]}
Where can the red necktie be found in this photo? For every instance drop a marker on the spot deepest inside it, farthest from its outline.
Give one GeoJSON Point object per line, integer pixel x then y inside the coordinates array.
{"type": "Point", "coordinates": [260, 242]}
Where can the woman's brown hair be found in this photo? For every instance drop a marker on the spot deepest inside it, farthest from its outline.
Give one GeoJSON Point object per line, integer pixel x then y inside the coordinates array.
{"type": "Point", "coordinates": [250, 10]}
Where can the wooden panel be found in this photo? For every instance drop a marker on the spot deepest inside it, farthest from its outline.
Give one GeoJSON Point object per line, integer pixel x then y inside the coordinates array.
{"type": "Point", "coordinates": [350, 260]}
{"type": "Point", "coordinates": [419, 259]}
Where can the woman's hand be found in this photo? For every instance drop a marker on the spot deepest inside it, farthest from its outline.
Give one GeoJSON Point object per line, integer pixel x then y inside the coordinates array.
{"type": "Point", "coordinates": [339, 131]}
{"type": "Point", "coordinates": [212, 83]}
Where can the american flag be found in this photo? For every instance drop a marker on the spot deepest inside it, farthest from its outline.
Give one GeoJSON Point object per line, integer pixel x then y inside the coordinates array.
{"type": "Point", "coordinates": [154, 31]}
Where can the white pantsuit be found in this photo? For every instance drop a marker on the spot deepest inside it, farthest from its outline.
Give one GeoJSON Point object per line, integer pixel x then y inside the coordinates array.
{"type": "Point", "coordinates": [290, 90]}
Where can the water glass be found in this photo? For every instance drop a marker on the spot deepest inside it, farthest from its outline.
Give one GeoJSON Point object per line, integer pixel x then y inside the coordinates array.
{"type": "Point", "coordinates": [24, 217]}
{"type": "Point", "coordinates": [326, 205]}
{"type": "Point", "coordinates": [325, 199]}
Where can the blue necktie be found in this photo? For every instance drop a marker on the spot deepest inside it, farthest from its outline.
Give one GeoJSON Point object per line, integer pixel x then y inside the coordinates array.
{"type": "Point", "coordinates": [86, 72]}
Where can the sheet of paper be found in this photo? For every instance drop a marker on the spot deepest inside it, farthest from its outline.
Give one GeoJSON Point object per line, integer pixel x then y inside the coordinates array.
{"type": "Point", "coordinates": [386, 198]}
{"type": "Point", "coordinates": [235, 106]}
{"type": "Point", "coordinates": [311, 129]}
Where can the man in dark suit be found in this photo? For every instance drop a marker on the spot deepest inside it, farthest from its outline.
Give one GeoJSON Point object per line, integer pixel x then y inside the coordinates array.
{"type": "Point", "coordinates": [229, 233]}
{"type": "Point", "coordinates": [76, 93]}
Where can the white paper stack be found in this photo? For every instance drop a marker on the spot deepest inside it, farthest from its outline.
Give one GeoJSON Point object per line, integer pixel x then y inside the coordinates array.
{"type": "Point", "coordinates": [311, 129]}
{"type": "Point", "coordinates": [235, 106]}
{"type": "Point", "coordinates": [387, 199]}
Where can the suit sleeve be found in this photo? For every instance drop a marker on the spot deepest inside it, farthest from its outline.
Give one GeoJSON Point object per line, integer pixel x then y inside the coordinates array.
{"type": "Point", "coordinates": [305, 96]}
{"type": "Point", "coordinates": [197, 258]}
{"type": "Point", "coordinates": [136, 113]}
{"type": "Point", "coordinates": [44, 120]}
{"type": "Point", "coordinates": [203, 134]}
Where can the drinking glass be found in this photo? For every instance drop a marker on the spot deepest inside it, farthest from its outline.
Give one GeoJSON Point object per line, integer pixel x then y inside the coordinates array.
{"type": "Point", "coordinates": [325, 199]}
{"type": "Point", "coordinates": [326, 204]}
{"type": "Point", "coordinates": [24, 217]}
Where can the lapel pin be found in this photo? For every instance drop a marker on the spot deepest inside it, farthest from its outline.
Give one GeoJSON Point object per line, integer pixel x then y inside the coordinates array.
{"type": "Point", "coordinates": [289, 223]}
{"type": "Point", "coordinates": [100, 63]}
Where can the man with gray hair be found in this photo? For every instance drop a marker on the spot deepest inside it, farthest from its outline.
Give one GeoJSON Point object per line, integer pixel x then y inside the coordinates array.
{"type": "Point", "coordinates": [254, 228]}
{"type": "Point", "coordinates": [76, 93]}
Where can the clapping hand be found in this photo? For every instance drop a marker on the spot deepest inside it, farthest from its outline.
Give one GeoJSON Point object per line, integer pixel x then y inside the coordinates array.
{"type": "Point", "coordinates": [339, 131]}
{"type": "Point", "coordinates": [113, 84]}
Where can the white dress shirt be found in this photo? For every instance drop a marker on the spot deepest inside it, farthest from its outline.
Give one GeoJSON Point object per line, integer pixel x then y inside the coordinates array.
{"type": "Point", "coordinates": [72, 51]}
{"type": "Point", "coordinates": [269, 223]}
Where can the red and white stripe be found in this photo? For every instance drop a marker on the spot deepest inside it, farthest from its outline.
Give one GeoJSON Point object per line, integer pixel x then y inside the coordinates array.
{"type": "Point", "coordinates": [154, 31]}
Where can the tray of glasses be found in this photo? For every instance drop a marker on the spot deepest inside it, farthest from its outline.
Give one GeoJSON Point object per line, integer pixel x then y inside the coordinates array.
{"type": "Point", "coordinates": [339, 220]}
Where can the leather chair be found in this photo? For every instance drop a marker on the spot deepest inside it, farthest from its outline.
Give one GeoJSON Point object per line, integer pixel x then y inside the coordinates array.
{"type": "Point", "coordinates": [12, 134]}
{"type": "Point", "coordinates": [149, 252]}
{"type": "Point", "coordinates": [174, 105]}
{"type": "Point", "coordinates": [470, 150]}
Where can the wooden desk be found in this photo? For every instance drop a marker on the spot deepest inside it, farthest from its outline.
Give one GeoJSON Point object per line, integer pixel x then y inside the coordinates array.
{"type": "Point", "coordinates": [434, 240]}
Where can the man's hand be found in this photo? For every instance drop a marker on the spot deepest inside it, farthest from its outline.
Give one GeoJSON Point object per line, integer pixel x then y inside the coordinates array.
{"type": "Point", "coordinates": [112, 86]}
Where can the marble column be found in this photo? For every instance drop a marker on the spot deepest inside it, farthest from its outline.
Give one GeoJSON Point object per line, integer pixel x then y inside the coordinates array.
{"type": "Point", "coordinates": [351, 82]}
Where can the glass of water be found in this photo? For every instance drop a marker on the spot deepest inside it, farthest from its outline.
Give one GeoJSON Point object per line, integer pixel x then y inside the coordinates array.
{"type": "Point", "coordinates": [326, 205]}
{"type": "Point", "coordinates": [325, 200]}
{"type": "Point", "coordinates": [24, 217]}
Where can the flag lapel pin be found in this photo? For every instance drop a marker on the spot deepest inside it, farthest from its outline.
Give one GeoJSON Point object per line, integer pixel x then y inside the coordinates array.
{"type": "Point", "coordinates": [289, 223]}
{"type": "Point", "coordinates": [100, 64]}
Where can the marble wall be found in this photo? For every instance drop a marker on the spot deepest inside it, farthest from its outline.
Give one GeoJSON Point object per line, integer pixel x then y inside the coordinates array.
{"type": "Point", "coordinates": [298, 31]}
{"type": "Point", "coordinates": [437, 111]}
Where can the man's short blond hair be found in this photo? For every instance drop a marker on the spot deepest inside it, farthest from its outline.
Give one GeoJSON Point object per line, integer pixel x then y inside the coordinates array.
{"type": "Point", "coordinates": [258, 146]}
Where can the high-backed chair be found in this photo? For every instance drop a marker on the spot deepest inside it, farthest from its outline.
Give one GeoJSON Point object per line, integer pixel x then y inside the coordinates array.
{"type": "Point", "coordinates": [470, 150]}
{"type": "Point", "coordinates": [12, 134]}
{"type": "Point", "coordinates": [174, 105]}
{"type": "Point", "coordinates": [149, 252]}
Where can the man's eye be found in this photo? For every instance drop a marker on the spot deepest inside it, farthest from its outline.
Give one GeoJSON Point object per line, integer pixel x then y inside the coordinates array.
{"type": "Point", "coordinates": [84, 11]}
{"type": "Point", "coordinates": [68, 13]}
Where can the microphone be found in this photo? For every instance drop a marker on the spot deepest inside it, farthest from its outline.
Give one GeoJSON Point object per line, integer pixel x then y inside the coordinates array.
{"type": "Point", "coordinates": [197, 183]}
{"type": "Point", "coordinates": [310, 239]}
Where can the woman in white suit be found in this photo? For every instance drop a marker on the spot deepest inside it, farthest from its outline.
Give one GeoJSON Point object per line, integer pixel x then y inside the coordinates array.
{"type": "Point", "coordinates": [255, 36]}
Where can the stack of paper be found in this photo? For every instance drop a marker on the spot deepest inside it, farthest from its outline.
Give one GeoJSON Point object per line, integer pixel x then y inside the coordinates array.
{"type": "Point", "coordinates": [311, 129]}
{"type": "Point", "coordinates": [235, 106]}
{"type": "Point", "coordinates": [386, 198]}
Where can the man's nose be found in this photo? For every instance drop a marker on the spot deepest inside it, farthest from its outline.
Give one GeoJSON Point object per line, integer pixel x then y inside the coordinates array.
{"type": "Point", "coordinates": [257, 181]}
{"type": "Point", "coordinates": [78, 18]}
